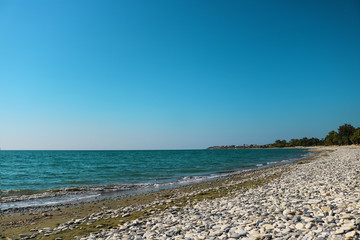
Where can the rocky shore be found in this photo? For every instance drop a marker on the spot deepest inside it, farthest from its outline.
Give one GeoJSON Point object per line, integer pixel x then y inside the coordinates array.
{"type": "Point", "coordinates": [316, 198]}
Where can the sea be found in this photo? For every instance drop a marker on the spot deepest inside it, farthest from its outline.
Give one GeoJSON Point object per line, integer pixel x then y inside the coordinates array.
{"type": "Point", "coordinates": [30, 171]}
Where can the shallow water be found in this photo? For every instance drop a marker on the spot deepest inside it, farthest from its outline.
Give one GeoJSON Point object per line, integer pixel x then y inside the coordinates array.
{"type": "Point", "coordinates": [133, 172]}
{"type": "Point", "coordinates": [40, 170]}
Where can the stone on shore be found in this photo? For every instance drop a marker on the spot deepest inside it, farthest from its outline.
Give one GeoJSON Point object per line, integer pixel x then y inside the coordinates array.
{"type": "Point", "coordinates": [316, 200]}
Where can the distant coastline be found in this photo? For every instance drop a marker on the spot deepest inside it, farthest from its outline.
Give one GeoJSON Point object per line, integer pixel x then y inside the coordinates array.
{"type": "Point", "coordinates": [346, 135]}
{"type": "Point", "coordinates": [252, 146]}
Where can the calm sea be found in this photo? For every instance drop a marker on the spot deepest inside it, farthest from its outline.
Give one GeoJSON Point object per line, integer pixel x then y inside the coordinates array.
{"type": "Point", "coordinates": [39, 170]}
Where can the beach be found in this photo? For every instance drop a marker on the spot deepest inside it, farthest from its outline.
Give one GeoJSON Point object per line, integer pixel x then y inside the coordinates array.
{"type": "Point", "coordinates": [313, 198]}
{"type": "Point", "coordinates": [41, 178]}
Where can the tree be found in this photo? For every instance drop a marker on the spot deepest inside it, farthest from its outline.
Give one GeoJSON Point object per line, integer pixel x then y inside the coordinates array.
{"type": "Point", "coordinates": [303, 141]}
{"type": "Point", "coordinates": [280, 143]}
{"type": "Point", "coordinates": [332, 138]}
{"type": "Point", "coordinates": [313, 142]}
{"type": "Point", "coordinates": [355, 138]}
{"type": "Point", "coordinates": [293, 142]}
{"type": "Point", "coordinates": [344, 133]}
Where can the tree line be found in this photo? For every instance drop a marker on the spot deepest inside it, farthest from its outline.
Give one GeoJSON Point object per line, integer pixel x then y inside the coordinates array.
{"type": "Point", "coordinates": [346, 135]}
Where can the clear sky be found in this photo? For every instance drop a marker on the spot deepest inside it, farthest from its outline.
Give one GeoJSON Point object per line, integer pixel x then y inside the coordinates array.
{"type": "Point", "coordinates": [175, 74]}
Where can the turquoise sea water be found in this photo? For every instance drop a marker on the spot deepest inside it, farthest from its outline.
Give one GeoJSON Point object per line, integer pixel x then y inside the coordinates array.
{"type": "Point", "coordinates": [39, 170]}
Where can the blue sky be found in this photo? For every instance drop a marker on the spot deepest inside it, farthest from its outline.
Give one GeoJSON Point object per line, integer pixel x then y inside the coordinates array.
{"type": "Point", "coordinates": [175, 74]}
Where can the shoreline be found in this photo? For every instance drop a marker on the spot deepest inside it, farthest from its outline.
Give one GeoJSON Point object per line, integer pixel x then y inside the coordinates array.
{"type": "Point", "coordinates": [54, 212]}
{"type": "Point", "coordinates": [24, 200]}
{"type": "Point", "coordinates": [96, 217]}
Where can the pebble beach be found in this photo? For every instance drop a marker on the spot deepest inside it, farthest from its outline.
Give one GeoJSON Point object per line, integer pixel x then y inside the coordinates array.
{"type": "Point", "coordinates": [315, 198]}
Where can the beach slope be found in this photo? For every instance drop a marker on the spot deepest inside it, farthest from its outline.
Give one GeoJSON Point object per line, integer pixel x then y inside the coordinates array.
{"type": "Point", "coordinates": [315, 198]}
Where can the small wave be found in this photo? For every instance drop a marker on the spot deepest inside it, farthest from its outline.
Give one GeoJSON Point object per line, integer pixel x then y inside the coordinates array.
{"type": "Point", "coordinates": [188, 180]}
{"type": "Point", "coordinates": [16, 192]}
{"type": "Point", "coordinates": [47, 201]}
